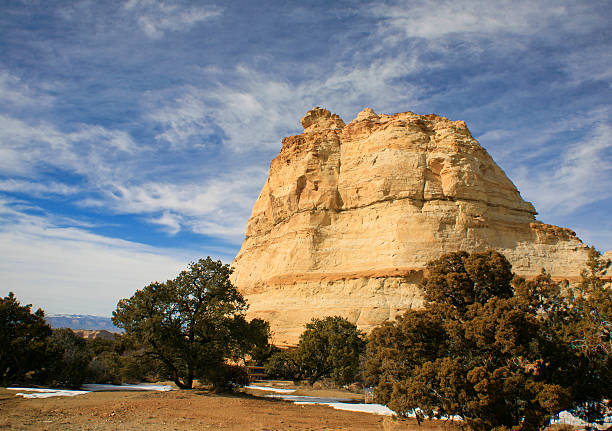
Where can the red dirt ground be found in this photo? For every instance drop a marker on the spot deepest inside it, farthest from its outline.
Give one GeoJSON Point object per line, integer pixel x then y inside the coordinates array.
{"type": "Point", "coordinates": [183, 410]}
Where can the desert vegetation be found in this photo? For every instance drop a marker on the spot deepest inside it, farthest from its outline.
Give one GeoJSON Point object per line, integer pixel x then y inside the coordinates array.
{"type": "Point", "coordinates": [489, 348]}
{"type": "Point", "coordinates": [35, 354]}
{"type": "Point", "coordinates": [191, 327]}
{"type": "Point", "coordinates": [495, 350]}
{"type": "Point", "coordinates": [194, 325]}
{"type": "Point", "coordinates": [329, 348]}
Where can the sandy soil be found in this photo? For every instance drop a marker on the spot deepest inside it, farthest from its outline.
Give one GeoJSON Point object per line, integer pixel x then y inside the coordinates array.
{"type": "Point", "coordinates": [183, 410]}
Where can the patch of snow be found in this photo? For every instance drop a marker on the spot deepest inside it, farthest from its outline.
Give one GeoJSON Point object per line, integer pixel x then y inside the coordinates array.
{"type": "Point", "coordinates": [308, 400]}
{"type": "Point", "coordinates": [377, 409]}
{"type": "Point", "coordinates": [266, 388]}
{"type": "Point", "coordinates": [46, 393]}
{"type": "Point", "coordinates": [566, 418]}
{"type": "Point", "coordinates": [337, 403]}
{"type": "Point", "coordinates": [98, 387]}
{"type": "Point", "coordinates": [341, 404]}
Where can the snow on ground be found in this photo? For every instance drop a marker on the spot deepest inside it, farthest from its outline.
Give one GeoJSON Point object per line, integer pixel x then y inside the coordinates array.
{"type": "Point", "coordinates": [377, 409]}
{"type": "Point", "coordinates": [96, 387]}
{"type": "Point", "coordinates": [337, 403]}
{"type": "Point", "coordinates": [308, 400]}
{"type": "Point", "coordinates": [48, 393]}
{"type": "Point", "coordinates": [267, 388]}
{"type": "Point", "coordinates": [566, 418]}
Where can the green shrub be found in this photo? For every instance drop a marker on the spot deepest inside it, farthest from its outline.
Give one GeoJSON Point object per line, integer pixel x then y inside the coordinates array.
{"type": "Point", "coordinates": [497, 355]}
{"type": "Point", "coordinates": [24, 352]}
{"type": "Point", "coordinates": [283, 364]}
{"type": "Point", "coordinates": [71, 369]}
{"type": "Point", "coordinates": [192, 325]}
{"type": "Point", "coordinates": [229, 377]}
{"type": "Point", "coordinates": [330, 347]}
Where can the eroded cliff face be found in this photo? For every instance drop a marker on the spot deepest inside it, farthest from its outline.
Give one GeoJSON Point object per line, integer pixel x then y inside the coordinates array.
{"type": "Point", "coordinates": [350, 215]}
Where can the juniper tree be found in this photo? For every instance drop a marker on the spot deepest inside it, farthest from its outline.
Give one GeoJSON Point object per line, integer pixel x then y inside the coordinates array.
{"type": "Point", "coordinates": [330, 347]}
{"type": "Point", "coordinates": [498, 355]}
{"type": "Point", "coordinates": [192, 324]}
{"type": "Point", "coordinates": [23, 337]}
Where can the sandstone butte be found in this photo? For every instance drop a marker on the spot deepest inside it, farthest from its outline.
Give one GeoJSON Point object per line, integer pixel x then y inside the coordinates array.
{"type": "Point", "coordinates": [351, 213]}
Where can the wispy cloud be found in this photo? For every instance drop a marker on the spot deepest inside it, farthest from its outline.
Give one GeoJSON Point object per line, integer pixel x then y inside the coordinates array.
{"type": "Point", "coordinates": [185, 118]}
{"type": "Point", "coordinates": [157, 17]}
{"type": "Point", "coordinates": [14, 91]}
{"type": "Point", "coordinates": [219, 207]}
{"type": "Point", "coordinates": [75, 266]}
{"type": "Point", "coordinates": [38, 189]}
{"type": "Point", "coordinates": [469, 19]}
{"type": "Point", "coordinates": [524, 145]}
{"type": "Point", "coordinates": [578, 176]}
{"type": "Point", "coordinates": [546, 38]}
{"type": "Point", "coordinates": [180, 123]}
{"type": "Point", "coordinates": [170, 222]}
{"type": "Point", "coordinates": [90, 150]}
{"type": "Point", "coordinates": [590, 63]}
{"type": "Point", "coordinates": [116, 173]}
{"type": "Point", "coordinates": [254, 110]}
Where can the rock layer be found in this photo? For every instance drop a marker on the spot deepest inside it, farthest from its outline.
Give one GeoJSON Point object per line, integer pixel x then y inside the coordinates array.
{"type": "Point", "coordinates": [350, 214]}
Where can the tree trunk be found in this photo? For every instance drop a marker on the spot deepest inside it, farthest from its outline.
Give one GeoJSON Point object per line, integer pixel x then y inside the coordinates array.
{"type": "Point", "coordinates": [187, 383]}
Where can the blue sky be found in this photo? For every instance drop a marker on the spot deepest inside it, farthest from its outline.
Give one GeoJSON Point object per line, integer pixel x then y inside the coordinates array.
{"type": "Point", "coordinates": [136, 135]}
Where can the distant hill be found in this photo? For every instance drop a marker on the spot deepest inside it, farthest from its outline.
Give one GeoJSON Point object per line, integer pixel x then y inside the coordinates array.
{"type": "Point", "coordinates": [81, 321]}
{"type": "Point", "coordinates": [90, 334]}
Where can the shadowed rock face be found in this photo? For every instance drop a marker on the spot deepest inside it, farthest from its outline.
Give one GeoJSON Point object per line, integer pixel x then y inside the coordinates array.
{"type": "Point", "coordinates": [350, 215]}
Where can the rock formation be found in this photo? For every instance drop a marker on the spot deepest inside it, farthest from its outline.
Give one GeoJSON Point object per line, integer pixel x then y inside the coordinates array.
{"type": "Point", "coordinates": [351, 213]}
{"type": "Point", "coordinates": [92, 334]}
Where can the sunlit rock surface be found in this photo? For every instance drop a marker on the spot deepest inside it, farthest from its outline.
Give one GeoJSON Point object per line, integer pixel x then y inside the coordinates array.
{"type": "Point", "coordinates": [350, 214]}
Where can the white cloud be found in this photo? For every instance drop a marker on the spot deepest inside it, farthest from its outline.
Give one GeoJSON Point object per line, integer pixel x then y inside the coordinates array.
{"type": "Point", "coordinates": [523, 146]}
{"type": "Point", "coordinates": [433, 19]}
{"type": "Point", "coordinates": [170, 222]}
{"type": "Point", "coordinates": [256, 110]}
{"type": "Point", "coordinates": [71, 270]}
{"type": "Point", "coordinates": [219, 227]}
{"type": "Point", "coordinates": [218, 207]}
{"type": "Point", "coordinates": [156, 17]}
{"type": "Point", "coordinates": [91, 151]}
{"type": "Point", "coordinates": [14, 91]}
{"type": "Point", "coordinates": [581, 174]}
{"type": "Point", "coordinates": [461, 29]}
{"type": "Point", "coordinates": [12, 161]}
{"type": "Point", "coordinates": [184, 118]}
{"type": "Point", "coordinates": [254, 114]}
{"type": "Point", "coordinates": [115, 171]}
{"type": "Point", "coordinates": [592, 63]}
{"type": "Point", "coordinates": [37, 189]}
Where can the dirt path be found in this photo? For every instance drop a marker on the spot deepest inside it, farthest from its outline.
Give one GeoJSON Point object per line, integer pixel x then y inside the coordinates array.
{"type": "Point", "coordinates": [181, 410]}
